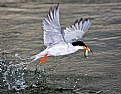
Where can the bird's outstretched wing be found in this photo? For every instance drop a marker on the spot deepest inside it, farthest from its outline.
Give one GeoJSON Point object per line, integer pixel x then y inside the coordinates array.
{"type": "Point", "coordinates": [52, 28]}
{"type": "Point", "coordinates": [77, 30]}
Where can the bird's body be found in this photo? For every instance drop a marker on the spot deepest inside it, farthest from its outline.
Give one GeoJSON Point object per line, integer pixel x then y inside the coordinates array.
{"type": "Point", "coordinates": [58, 49]}
{"type": "Point", "coordinates": [60, 42]}
{"type": "Point", "coordinates": [63, 49]}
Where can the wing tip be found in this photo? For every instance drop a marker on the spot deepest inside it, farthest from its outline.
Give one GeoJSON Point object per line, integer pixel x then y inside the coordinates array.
{"type": "Point", "coordinates": [81, 19]}
{"type": "Point", "coordinates": [75, 22]}
{"type": "Point", "coordinates": [90, 18]}
{"type": "Point", "coordinates": [51, 11]}
{"type": "Point", "coordinates": [58, 4]}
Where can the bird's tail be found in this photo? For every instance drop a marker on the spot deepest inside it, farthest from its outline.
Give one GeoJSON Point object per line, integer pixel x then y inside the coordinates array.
{"type": "Point", "coordinates": [34, 58]}
{"type": "Point", "coordinates": [38, 56]}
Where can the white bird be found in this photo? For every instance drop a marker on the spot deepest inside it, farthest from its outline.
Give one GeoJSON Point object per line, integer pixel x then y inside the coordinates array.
{"type": "Point", "coordinates": [62, 42]}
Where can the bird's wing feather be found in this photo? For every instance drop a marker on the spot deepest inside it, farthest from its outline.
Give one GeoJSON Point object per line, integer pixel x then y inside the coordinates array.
{"type": "Point", "coordinates": [77, 30]}
{"type": "Point", "coordinates": [52, 28]}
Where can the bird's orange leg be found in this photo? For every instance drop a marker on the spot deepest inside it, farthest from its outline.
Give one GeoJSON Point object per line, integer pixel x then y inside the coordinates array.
{"type": "Point", "coordinates": [44, 59]}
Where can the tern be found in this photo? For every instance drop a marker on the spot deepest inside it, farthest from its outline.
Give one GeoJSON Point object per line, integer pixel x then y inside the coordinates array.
{"type": "Point", "coordinates": [62, 42]}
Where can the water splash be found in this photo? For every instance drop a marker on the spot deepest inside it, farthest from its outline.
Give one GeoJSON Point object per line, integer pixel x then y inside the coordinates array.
{"type": "Point", "coordinates": [14, 75]}
{"type": "Point", "coordinates": [14, 78]}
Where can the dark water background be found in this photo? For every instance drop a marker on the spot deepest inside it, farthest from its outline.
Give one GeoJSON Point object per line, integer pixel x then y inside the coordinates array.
{"type": "Point", "coordinates": [21, 36]}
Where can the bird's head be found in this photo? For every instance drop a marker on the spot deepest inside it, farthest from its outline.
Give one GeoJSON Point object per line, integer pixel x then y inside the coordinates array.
{"type": "Point", "coordinates": [82, 45]}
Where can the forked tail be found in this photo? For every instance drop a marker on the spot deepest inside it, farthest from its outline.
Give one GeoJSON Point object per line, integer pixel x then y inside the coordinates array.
{"type": "Point", "coordinates": [38, 56]}
{"type": "Point", "coordinates": [35, 57]}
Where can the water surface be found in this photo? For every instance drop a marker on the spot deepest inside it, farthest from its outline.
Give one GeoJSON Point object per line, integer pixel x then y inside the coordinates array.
{"type": "Point", "coordinates": [21, 36]}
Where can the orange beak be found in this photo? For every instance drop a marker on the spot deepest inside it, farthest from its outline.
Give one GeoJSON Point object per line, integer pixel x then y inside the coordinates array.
{"type": "Point", "coordinates": [86, 48]}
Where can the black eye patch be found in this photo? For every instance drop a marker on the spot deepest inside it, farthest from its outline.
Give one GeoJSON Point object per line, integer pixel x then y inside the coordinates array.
{"type": "Point", "coordinates": [78, 43]}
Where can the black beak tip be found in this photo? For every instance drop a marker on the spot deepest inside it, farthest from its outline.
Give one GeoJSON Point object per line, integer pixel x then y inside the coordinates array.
{"type": "Point", "coordinates": [91, 51]}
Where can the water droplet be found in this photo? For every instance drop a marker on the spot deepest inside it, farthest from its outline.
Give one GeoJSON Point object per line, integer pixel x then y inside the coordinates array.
{"type": "Point", "coordinates": [78, 79]}
{"type": "Point", "coordinates": [0, 69]}
{"type": "Point", "coordinates": [16, 55]}
{"type": "Point", "coordinates": [85, 74]}
{"type": "Point", "coordinates": [74, 86]}
{"type": "Point", "coordinates": [43, 70]}
{"type": "Point", "coordinates": [34, 85]}
{"type": "Point", "coordinates": [76, 82]}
